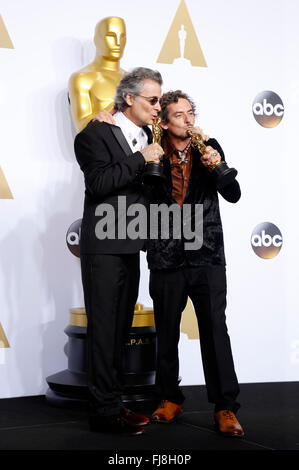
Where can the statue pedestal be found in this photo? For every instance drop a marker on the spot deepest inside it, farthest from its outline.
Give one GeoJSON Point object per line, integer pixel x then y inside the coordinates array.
{"type": "Point", "coordinates": [68, 388]}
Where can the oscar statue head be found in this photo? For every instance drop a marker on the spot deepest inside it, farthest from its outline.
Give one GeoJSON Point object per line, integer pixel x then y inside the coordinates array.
{"type": "Point", "coordinates": [110, 38]}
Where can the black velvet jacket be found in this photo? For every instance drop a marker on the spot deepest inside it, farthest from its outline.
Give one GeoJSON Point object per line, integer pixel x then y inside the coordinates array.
{"type": "Point", "coordinates": [171, 253]}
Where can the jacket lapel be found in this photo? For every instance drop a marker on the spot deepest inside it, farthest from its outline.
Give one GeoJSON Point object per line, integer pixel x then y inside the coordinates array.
{"type": "Point", "coordinates": [121, 140]}
{"type": "Point", "coordinates": [148, 133]}
{"type": "Point", "coordinates": [167, 182]}
{"type": "Point", "coordinates": [198, 178]}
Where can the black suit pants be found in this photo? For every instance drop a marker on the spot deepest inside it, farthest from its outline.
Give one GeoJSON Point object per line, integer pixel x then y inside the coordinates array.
{"type": "Point", "coordinates": [206, 287]}
{"type": "Point", "coordinates": [110, 284]}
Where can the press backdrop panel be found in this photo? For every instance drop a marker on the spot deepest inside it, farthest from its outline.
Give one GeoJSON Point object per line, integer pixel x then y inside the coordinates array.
{"type": "Point", "coordinates": [249, 47]}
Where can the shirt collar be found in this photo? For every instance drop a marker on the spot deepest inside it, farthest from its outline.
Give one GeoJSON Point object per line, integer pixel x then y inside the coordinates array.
{"type": "Point", "coordinates": [171, 152]}
{"type": "Point", "coordinates": [127, 125]}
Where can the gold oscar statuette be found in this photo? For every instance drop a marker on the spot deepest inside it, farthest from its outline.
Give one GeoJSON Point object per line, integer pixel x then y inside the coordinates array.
{"type": "Point", "coordinates": [154, 171]}
{"type": "Point", "coordinates": [92, 88]}
{"type": "Point", "coordinates": [221, 172]}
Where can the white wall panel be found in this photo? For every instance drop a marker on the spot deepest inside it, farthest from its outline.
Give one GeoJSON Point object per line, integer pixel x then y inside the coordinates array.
{"type": "Point", "coordinates": [249, 47]}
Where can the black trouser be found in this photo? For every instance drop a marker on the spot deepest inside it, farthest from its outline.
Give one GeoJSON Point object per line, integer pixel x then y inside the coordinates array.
{"type": "Point", "coordinates": [206, 287]}
{"type": "Point", "coordinates": [110, 284]}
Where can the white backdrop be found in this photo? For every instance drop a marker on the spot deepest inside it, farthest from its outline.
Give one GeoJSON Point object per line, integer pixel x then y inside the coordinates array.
{"type": "Point", "coordinates": [249, 47]}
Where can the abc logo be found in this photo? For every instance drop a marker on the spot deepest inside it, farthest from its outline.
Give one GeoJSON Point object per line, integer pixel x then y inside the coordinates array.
{"type": "Point", "coordinates": [266, 240]}
{"type": "Point", "coordinates": [73, 237]}
{"type": "Point", "coordinates": [268, 109]}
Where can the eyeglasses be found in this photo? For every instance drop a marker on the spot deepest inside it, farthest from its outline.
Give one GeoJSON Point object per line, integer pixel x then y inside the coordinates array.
{"type": "Point", "coordinates": [151, 99]}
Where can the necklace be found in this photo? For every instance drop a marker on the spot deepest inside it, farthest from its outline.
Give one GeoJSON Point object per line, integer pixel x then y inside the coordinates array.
{"type": "Point", "coordinates": [182, 154]}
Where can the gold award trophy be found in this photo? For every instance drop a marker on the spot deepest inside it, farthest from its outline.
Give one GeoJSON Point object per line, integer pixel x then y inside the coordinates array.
{"type": "Point", "coordinates": [154, 171]}
{"type": "Point", "coordinates": [221, 172]}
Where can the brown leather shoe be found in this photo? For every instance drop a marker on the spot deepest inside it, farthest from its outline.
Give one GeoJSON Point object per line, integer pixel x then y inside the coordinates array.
{"type": "Point", "coordinates": [227, 423]}
{"type": "Point", "coordinates": [166, 412]}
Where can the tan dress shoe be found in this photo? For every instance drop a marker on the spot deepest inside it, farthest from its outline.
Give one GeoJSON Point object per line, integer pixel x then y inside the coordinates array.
{"type": "Point", "coordinates": [227, 423]}
{"type": "Point", "coordinates": [166, 412]}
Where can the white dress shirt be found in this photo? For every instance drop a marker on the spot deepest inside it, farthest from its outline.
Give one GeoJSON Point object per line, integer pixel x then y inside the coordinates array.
{"type": "Point", "coordinates": [135, 135]}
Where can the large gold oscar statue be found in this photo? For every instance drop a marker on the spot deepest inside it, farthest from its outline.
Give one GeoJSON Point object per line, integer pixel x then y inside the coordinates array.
{"type": "Point", "coordinates": [92, 88]}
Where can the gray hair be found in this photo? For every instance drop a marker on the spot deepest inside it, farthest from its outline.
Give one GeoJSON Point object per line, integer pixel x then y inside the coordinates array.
{"type": "Point", "coordinates": [132, 84]}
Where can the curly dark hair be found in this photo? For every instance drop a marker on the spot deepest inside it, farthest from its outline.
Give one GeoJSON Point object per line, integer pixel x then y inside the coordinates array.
{"type": "Point", "coordinates": [173, 97]}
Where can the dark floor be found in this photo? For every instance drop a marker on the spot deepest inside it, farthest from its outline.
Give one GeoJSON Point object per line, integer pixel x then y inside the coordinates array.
{"type": "Point", "coordinates": [269, 415]}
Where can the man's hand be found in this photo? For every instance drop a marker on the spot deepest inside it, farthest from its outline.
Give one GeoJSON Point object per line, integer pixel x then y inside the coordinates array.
{"type": "Point", "coordinates": [105, 116]}
{"type": "Point", "coordinates": [210, 158]}
{"type": "Point", "coordinates": [198, 130]}
{"type": "Point", "coordinates": [152, 153]}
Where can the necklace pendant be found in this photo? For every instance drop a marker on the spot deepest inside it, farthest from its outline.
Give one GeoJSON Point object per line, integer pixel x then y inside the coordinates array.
{"type": "Point", "coordinates": [183, 159]}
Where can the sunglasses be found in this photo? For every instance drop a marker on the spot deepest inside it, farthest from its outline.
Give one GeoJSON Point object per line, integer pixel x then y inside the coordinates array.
{"type": "Point", "coordinates": [151, 99]}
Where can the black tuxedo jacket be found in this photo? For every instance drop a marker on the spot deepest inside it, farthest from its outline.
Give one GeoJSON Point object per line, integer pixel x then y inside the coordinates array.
{"type": "Point", "coordinates": [110, 170]}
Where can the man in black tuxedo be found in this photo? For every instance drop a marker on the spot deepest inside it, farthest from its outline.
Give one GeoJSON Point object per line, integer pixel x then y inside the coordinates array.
{"type": "Point", "coordinates": [112, 159]}
{"type": "Point", "coordinates": [180, 269]}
